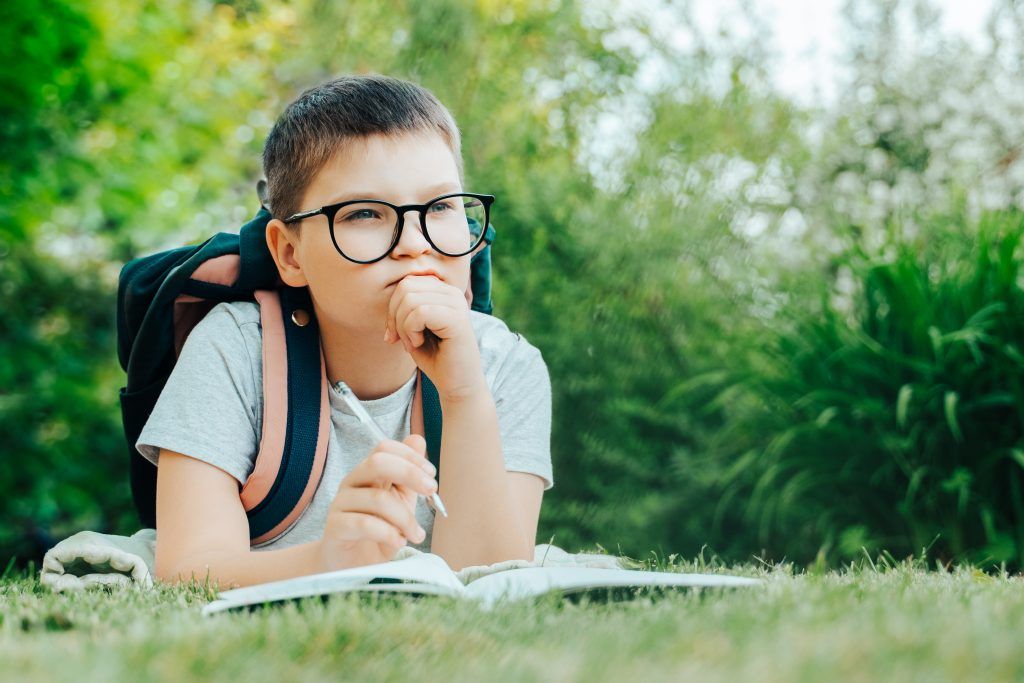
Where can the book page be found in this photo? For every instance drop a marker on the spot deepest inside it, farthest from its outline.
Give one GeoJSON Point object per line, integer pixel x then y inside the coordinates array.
{"type": "Point", "coordinates": [427, 572]}
{"type": "Point", "coordinates": [516, 584]}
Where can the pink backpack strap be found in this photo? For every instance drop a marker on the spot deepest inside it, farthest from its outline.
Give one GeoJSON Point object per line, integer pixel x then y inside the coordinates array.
{"type": "Point", "coordinates": [189, 309]}
{"type": "Point", "coordinates": [275, 419]}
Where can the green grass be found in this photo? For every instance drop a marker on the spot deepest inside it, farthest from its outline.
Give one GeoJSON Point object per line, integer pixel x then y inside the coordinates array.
{"type": "Point", "coordinates": [868, 621]}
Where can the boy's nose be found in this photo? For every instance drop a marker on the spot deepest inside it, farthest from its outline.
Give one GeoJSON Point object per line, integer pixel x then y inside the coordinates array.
{"type": "Point", "coordinates": [412, 233]}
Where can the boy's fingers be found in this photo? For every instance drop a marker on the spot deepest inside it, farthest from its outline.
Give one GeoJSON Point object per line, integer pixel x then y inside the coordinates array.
{"type": "Point", "coordinates": [411, 284]}
{"type": "Point", "coordinates": [382, 469]}
{"type": "Point", "coordinates": [418, 447]}
{"type": "Point", "coordinates": [417, 443]}
{"type": "Point", "coordinates": [398, 318]}
{"type": "Point", "coordinates": [397, 447]}
{"type": "Point", "coordinates": [408, 495]}
{"type": "Point", "coordinates": [385, 505]}
{"type": "Point", "coordinates": [361, 526]}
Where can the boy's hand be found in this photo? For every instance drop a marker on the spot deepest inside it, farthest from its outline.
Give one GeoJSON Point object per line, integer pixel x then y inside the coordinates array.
{"type": "Point", "coordinates": [373, 513]}
{"type": "Point", "coordinates": [431, 319]}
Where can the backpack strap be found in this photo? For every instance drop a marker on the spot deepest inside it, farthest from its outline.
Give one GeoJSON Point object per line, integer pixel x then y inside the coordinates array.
{"type": "Point", "coordinates": [292, 455]}
{"type": "Point", "coordinates": [479, 292]}
{"type": "Point", "coordinates": [296, 416]}
{"type": "Point", "coordinates": [426, 418]}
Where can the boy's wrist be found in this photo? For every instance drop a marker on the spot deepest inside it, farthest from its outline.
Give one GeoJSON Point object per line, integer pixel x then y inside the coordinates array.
{"type": "Point", "coordinates": [320, 562]}
{"type": "Point", "coordinates": [330, 559]}
{"type": "Point", "coordinates": [466, 395]}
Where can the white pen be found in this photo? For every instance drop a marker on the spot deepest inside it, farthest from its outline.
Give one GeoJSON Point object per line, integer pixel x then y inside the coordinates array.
{"type": "Point", "coordinates": [353, 402]}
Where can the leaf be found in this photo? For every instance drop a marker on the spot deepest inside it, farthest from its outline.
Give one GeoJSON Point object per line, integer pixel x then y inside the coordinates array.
{"type": "Point", "coordinates": [936, 339]}
{"type": "Point", "coordinates": [826, 416]}
{"type": "Point", "coordinates": [1017, 455]}
{"type": "Point", "coordinates": [949, 406]}
{"type": "Point", "coordinates": [708, 379]}
{"type": "Point", "coordinates": [902, 404]}
{"type": "Point", "coordinates": [915, 483]}
{"type": "Point", "coordinates": [986, 315]}
{"type": "Point", "coordinates": [959, 482]}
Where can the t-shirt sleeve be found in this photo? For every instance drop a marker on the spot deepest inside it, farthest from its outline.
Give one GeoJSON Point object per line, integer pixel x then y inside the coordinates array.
{"type": "Point", "coordinates": [207, 409]}
{"type": "Point", "coordinates": [522, 397]}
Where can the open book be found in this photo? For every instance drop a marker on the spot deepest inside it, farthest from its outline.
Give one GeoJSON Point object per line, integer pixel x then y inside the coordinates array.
{"type": "Point", "coordinates": [429, 574]}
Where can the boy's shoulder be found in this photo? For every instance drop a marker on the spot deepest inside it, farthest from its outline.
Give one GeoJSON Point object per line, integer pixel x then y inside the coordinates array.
{"type": "Point", "coordinates": [498, 343]}
{"type": "Point", "coordinates": [487, 324]}
{"type": "Point", "coordinates": [226, 323]}
{"type": "Point", "coordinates": [241, 312]}
{"type": "Point", "coordinates": [493, 331]}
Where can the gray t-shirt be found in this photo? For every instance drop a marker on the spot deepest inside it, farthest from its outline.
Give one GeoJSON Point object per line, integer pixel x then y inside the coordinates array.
{"type": "Point", "coordinates": [212, 409]}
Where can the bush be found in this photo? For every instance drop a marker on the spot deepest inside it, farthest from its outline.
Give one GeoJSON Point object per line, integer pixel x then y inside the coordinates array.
{"type": "Point", "coordinates": [891, 419]}
{"type": "Point", "coordinates": [64, 467]}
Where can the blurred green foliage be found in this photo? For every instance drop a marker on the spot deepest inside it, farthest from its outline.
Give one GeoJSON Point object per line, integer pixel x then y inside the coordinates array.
{"type": "Point", "coordinates": [772, 328]}
{"type": "Point", "coordinates": [891, 419]}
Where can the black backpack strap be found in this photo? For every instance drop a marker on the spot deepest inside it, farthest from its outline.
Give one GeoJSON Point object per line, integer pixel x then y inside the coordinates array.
{"type": "Point", "coordinates": [432, 423]}
{"type": "Point", "coordinates": [257, 270]}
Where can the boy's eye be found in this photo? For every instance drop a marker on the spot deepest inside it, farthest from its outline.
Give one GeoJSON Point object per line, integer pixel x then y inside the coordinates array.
{"type": "Point", "coordinates": [445, 206]}
{"type": "Point", "coordinates": [355, 215]}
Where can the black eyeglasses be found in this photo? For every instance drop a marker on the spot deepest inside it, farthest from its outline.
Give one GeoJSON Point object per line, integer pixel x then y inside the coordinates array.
{"type": "Point", "coordinates": [367, 230]}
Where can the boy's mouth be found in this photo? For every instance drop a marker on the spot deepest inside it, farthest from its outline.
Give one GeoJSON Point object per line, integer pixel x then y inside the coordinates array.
{"type": "Point", "coordinates": [420, 272]}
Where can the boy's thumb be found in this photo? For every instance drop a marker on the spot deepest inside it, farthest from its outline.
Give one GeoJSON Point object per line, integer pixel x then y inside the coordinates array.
{"type": "Point", "coordinates": [417, 443]}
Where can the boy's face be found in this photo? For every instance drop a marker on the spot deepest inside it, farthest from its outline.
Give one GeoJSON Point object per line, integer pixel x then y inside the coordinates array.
{"type": "Point", "coordinates": [408, 169]}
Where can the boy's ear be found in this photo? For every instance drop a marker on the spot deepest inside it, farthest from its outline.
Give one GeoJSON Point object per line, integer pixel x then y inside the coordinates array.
{"type": "Point", "coordinates": [283, 245]}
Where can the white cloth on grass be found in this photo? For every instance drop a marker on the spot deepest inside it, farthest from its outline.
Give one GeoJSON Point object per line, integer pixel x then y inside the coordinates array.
{"type": "Point", "coordinates": [90, 559]}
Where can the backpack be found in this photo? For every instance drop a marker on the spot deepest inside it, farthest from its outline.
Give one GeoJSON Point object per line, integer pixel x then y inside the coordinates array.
{"type": "Point", "coordinates": [160, 299]}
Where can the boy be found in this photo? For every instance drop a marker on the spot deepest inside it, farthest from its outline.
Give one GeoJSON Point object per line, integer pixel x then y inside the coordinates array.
{"type": "Point", "coordinates": [380, 138]}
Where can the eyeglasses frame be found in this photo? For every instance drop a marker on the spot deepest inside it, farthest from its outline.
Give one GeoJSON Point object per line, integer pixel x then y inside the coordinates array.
{"type": "Point", "coordinates": [331, 210]}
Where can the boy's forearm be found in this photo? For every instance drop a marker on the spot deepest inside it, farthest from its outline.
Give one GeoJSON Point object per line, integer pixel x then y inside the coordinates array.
{"type": "Point", "coordinates": [234, 569]}
{"type": "Point", "coordinates": [483, 525]}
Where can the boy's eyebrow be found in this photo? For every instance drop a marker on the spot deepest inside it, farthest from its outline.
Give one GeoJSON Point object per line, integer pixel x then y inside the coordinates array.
{"type": "Point", "coordinates": [370, 194]}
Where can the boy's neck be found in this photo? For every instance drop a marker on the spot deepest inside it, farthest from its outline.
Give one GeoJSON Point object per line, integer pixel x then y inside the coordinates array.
{"type": "Point", "coordinates": [371, 367]}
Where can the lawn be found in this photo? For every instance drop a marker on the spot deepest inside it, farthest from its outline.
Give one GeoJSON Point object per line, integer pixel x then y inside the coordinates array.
{"type": "Point", "coordinates": [870, 621]}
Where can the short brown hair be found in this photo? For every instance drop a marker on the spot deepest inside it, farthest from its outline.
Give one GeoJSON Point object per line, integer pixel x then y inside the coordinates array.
{"type": "Point", "coordinates": [317, 126]}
